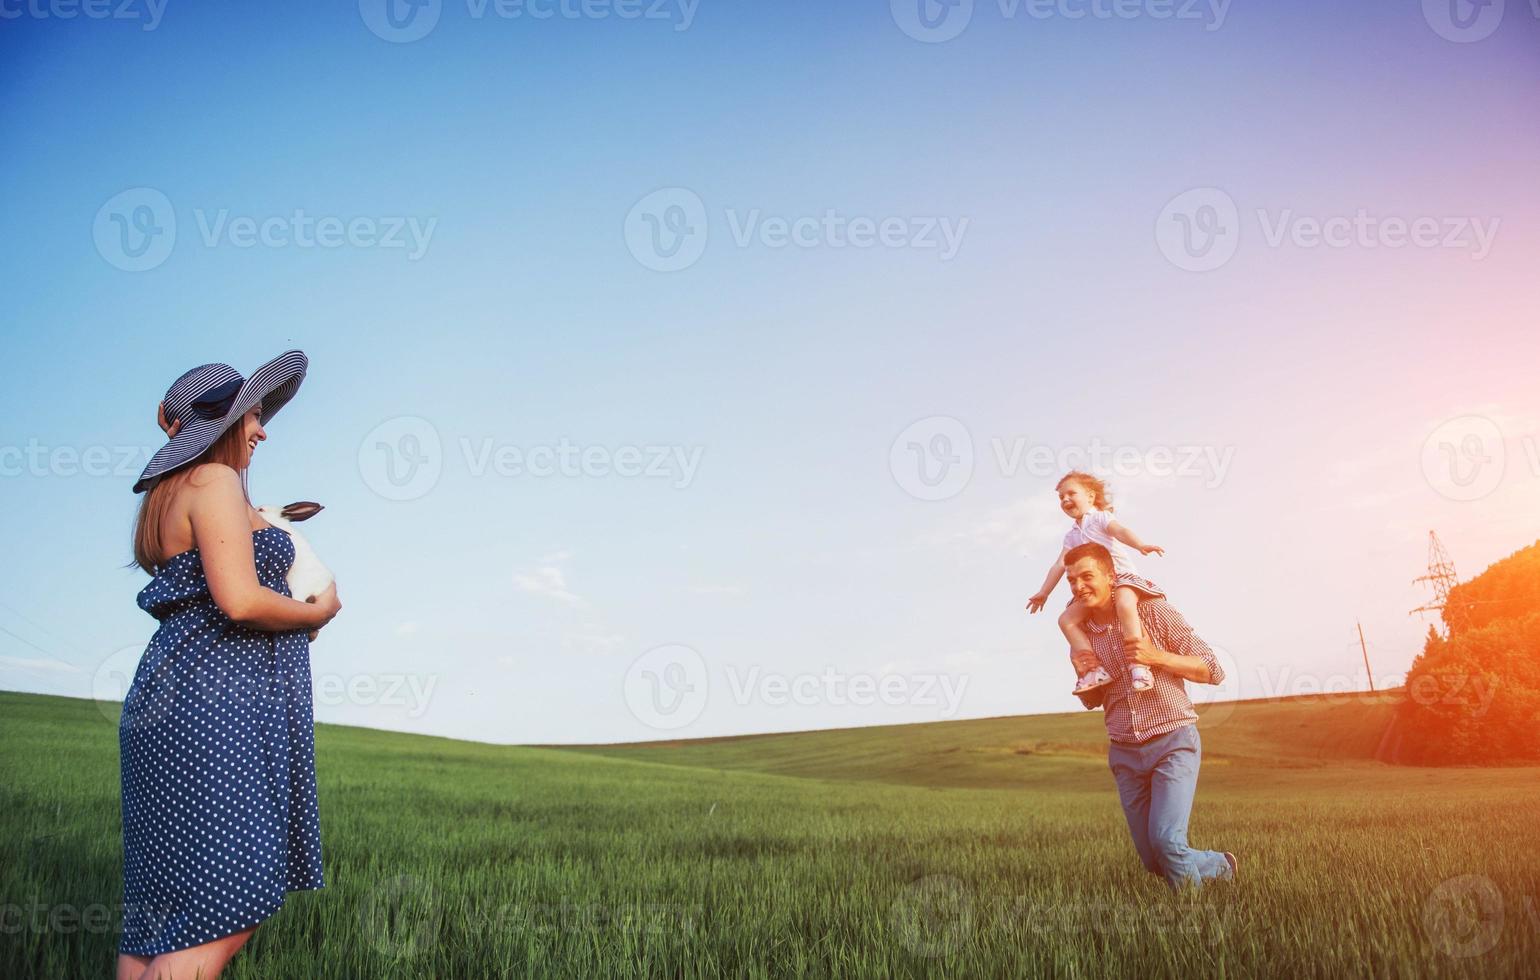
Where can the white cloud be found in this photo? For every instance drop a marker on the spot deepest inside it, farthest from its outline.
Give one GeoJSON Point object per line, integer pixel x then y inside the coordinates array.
{"type": "Point", "coordinates": [39, 664]}
{"type": "Point", "coordinates": [548, 581]}
{"type": "Point", "coordinates": [407, 628]}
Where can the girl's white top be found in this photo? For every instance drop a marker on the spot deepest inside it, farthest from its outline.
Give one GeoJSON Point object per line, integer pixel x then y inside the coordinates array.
{"type": "Point", "coordinates": [1093, 529]}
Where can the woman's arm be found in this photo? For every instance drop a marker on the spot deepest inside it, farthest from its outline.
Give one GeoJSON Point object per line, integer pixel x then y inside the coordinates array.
{"type": "Point", "coordinates": [222, 534]}
{"type": "Point", "coordinates": [1123, 534]}
{"type": "Point", "coordinates": [1055, 572]}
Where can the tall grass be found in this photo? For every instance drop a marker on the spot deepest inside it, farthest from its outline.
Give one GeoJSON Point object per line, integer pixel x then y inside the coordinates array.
{"type": "Point", "coordinates": [452, 859]}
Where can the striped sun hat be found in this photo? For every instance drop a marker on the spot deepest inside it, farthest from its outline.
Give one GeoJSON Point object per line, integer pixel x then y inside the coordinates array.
{"type": "Point", "coordinates": [210, 398]}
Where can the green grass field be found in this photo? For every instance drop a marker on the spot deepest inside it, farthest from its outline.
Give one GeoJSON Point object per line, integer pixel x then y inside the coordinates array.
{"type": "Point", "coordinates": [972, 848]}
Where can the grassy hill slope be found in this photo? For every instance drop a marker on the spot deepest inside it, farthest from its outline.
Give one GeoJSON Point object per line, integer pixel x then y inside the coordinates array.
{"type": "Point", "coordinates": [1298, 732]}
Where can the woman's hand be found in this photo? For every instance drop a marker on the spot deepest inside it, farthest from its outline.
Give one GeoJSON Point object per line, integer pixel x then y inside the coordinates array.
{"type": "Point", "coordinates": [1035, 604]}
{"type": "Point", "coordinates": [328, 603]}
{"type": "Point", "coordinates": [169, 428]}
{"type": "Point", "coordinates": [1152, 549]}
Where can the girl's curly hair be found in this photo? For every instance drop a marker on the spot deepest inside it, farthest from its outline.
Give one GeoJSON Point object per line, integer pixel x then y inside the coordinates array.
{"type": "Point", "coordinates": [1099, 494]}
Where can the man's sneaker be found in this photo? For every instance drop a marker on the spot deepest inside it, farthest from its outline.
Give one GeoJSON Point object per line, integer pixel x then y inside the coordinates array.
{"type": "Point", "coordinates": [1092, 679]}
{"type": "Point", "coordinates": [1140, 678]}
{"type": "Point", "coordinates": [1235, 866]}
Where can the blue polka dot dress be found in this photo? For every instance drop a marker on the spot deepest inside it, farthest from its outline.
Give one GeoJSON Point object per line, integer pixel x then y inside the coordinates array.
{"type": "Point", "coordinates": [218, 764]}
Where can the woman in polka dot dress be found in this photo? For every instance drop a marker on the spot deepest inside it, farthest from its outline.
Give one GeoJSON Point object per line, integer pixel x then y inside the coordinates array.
{"type": "Point", "coordinates": [217, 739]}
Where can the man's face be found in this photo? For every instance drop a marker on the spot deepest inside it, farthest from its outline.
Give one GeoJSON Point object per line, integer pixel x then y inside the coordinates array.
{"type": "Point", "coordinates": [1090, 583]}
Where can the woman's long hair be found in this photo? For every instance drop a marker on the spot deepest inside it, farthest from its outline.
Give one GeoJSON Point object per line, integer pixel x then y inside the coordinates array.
{"type": "Point", "coordinates": [229, 448]}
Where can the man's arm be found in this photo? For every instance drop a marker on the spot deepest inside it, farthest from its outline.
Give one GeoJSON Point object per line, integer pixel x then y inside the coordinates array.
{"type": "Point", "coordinates": [1144, 651]}
{"type": "Point", "coordinates": [1180, 651]}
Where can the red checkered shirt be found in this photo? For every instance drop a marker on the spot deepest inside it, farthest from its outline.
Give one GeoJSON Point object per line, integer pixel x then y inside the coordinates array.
{"type": "Point", "coordinates": [1138, 716]}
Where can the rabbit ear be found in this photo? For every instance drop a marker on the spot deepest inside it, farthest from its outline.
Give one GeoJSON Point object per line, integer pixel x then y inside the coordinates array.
{"type": "Point", "coordinates": [300, 510]}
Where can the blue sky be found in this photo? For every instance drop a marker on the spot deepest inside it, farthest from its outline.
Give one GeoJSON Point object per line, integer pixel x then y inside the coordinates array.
{"type": "Point", "coordinates": [1327, 379]}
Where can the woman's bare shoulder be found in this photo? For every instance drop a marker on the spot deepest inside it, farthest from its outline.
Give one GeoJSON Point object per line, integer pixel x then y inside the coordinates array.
{"type": "Point", "coordinates": [207, 483]}
{"type": "Point", "coordinates": [206, 475]}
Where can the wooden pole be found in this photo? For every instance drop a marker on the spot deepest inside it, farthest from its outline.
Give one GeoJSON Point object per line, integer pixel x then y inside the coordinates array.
{"type": "Point", "coordinates": [1364, 647]}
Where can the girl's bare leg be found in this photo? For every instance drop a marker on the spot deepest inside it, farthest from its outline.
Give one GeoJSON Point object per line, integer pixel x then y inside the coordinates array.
{"type": "Point", "coordinates": [197, 963]}
{"type": "Point", "coordinates": [131, 967]}
{"type": "Point", "coordinates": [1081, 656]}
{"type": "Point", "coordinates": [1126, 600]}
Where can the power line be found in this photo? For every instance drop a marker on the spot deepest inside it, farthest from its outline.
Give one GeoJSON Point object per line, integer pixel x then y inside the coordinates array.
{"type": "Point", "coordinates": [29, 643]}
{"type": "Point", "coordinates": [18, 614]}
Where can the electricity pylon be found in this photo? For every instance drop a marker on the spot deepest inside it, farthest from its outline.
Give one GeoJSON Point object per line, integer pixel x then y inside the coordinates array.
{"type": "Point", "coordinates": [1441, 578]}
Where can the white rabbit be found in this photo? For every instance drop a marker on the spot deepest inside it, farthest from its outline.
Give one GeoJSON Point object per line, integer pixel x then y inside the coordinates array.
{"type": "Point", "coordinates": [307, 577]}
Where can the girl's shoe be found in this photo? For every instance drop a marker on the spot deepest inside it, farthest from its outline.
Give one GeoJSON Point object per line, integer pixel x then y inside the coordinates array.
{"type": "Point", "coordinates": [1092, 679]}
{"type": "Point", "coordinates": [1140, 678]}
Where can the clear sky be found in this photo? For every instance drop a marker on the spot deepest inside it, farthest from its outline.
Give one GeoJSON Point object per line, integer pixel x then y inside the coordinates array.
{"type": "Point", "coordinates": [1280, 256]}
